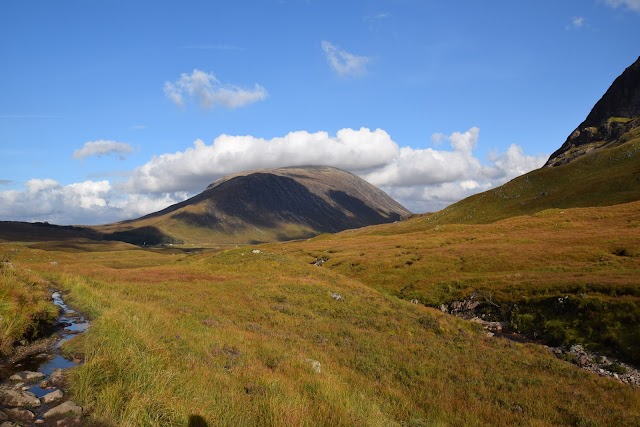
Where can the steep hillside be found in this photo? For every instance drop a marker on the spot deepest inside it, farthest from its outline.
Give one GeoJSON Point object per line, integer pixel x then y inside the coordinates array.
{"type": "Point", "coordinates": [598, 165]}
{"type": "Point", "coordinates": [611, 118]}
{"type": "Point", "coordinates": [265, 205]}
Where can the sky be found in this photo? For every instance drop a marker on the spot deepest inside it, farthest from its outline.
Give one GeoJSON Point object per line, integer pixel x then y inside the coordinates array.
{"type": "Point", "coordinates": [114, 109]}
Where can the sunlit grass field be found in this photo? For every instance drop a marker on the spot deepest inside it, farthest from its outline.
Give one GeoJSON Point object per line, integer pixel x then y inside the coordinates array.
{"type": "Point", "coordinates": [242, 338]}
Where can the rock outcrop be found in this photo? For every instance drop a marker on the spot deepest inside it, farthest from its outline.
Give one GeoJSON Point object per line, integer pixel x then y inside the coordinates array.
{"type": "Point", "coordinates": [615, 114]}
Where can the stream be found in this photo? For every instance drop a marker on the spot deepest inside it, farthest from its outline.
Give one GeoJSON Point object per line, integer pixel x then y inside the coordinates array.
{"type": "Point", "coordinates": [29, 388]}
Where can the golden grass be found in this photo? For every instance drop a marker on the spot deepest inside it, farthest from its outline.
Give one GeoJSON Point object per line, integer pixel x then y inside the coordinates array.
{"type": "Point", "coordinates": [229, 336]}
{"type": "Point", "coordinates": [25, 303]}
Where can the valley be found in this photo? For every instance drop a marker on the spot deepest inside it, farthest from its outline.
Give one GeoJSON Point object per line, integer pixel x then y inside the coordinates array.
{"type": "Point", "coordinates": [255, 335]}
{"type": "Point", "coordinates": [306, 296]}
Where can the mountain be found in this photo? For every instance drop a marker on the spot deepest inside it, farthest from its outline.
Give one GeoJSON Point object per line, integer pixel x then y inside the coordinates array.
{"type": "Point", "coordinates": [265, 205]}
{"type": "Point", "coordinates": [598, 165]}
{"type": "Point", "coordinates": [615, 114]}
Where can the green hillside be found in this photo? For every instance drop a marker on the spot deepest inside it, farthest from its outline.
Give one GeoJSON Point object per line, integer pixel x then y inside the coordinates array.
{"type": "Point", "coordinates": [601, 178]}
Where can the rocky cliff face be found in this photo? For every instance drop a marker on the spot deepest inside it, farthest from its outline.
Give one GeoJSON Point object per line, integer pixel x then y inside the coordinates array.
{"type": "Point", "coordinates": [615, 114]}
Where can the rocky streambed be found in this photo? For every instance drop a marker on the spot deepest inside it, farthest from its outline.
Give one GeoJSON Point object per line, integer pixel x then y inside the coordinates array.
{"type": "Point", "coordinates": [32, 386]}
{"type": "Point", "coordinates": [575, 354]}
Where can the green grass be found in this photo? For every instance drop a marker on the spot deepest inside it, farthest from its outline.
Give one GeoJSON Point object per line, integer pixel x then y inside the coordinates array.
{"type": "Point", "coordinates": [603, 178]}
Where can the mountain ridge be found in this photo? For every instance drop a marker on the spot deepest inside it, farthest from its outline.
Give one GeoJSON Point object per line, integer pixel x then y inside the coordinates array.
{"type": "Point", "coordinates": [615, 114]}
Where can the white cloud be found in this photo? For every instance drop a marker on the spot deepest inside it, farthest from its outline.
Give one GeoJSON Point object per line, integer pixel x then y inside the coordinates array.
{"type": "Point", "coordinates": [344, 63]}
{"type": "Point", "coordinates": [577, 22]}
{"type": "Point", "coordinates": [630, 4]}
{"type": "Point", "coordinates": [101, 148]}
{"type": "Point", "coordinates": [88, 202]}
{"type": "Point", "coordinates": [210, 92]}
{"type": "Point", "coordinates": [197, 166]}
{"type": "Point", "coordinates": [421, 179]}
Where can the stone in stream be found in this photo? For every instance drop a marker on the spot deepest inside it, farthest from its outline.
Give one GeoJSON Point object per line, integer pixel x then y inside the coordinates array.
{"type": "Point", "coordinates": [27, 376]}
{"type": "Point", "coordinates": [67, 407]}
{"type": "Point", "coordinates": [56, 379]}
{"type": "Point", "coordinates": [53, 396]}
{"type": "Point", "coordinates": [12, 397]}
{"type": "Point", "coordinates": [20, 415]}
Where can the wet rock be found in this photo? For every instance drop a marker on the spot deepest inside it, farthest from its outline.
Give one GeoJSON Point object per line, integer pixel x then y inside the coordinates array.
{"type": "Point", "coordinates": [56, 379]}
{"type": "Point", "coordinates": [53, 396]}
{"type": "Point", "coordinates": [20, 415]}
{"type": "Point", "coordinates": [45, 385]}
{"type": "Point", "coordinates": [12, 397]}
{"type": "Point", "coordinates": [27, 376]}
{"type": "Point", "coordinates": [67, 407]}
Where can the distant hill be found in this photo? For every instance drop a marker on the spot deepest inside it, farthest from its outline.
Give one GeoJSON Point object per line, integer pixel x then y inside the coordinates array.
{"type": "Point", "coordinates": [598, 165]}
{"type": "Point", "coordinates": [263, 206]}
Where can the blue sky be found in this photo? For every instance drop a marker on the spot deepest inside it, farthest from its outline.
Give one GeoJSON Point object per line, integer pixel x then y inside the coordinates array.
{"type": "Point", "coordinates": [113, 109]}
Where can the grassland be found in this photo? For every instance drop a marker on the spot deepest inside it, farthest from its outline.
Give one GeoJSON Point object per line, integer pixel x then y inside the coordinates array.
{"type": "Point", "coordinates": [233, 336]}
{"type": "Point", "coordinates": [520, 267]}
{"type": "Point", "coordinates": [25, 305]}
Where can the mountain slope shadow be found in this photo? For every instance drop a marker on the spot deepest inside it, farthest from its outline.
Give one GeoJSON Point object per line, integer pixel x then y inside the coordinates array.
{"type": "Point", "coordinates": [268, 200]}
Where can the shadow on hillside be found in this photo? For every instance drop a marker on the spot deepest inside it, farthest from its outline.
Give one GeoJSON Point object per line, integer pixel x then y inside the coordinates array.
{"type": "Point", "coordinates": [268, 200]}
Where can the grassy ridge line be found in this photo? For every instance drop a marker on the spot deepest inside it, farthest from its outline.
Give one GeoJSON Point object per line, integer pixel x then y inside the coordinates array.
{"type": "Point", "coordinates": [590, 254]}
{"type": "Point", "coordinates": [603, 178]}
{"type": "Point", "coordinates": [227, 337]}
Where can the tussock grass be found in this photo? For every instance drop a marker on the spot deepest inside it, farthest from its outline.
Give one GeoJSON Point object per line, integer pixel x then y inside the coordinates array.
{"type": "Point", "coordinates": [520, 265]}
{"type": "Point", "coordinates": [25, 304]}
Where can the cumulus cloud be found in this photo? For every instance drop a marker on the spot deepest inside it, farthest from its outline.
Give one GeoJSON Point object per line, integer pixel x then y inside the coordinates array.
{"type": "Point", "coordinates": [210, 92]}
{"type": "Point", "coordinates": [197, 166]}
{"type": "Point", "coordinates": [629, 4]}
{"type": "Point", "coordinates": [88, 202]}
{"type": "Point", "coordinates": [421, 179]}
{"type": "Point", "coordinates": [428, 179]}
{"type": "Point", "coordinates": [101, 148]}
{"type": "Point", "coordinates": [344, 63]}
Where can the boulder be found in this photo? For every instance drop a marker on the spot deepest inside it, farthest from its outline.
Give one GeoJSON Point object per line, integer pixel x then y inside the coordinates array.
{"type": "Point", "coordinates": [67, 407]}
{"type": "Point", "coordinates": [56, 379]}
{"type": "Point", "coordinates": [27, 376]}
{"type": "Point", "coordinates": [315, 365]}
{"type": "Point", "coordinates": [53, 396]}
{"type": "Point", "coordinates": [12, 397]}
{"type": "Point", "coordinates": [20, 415]}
